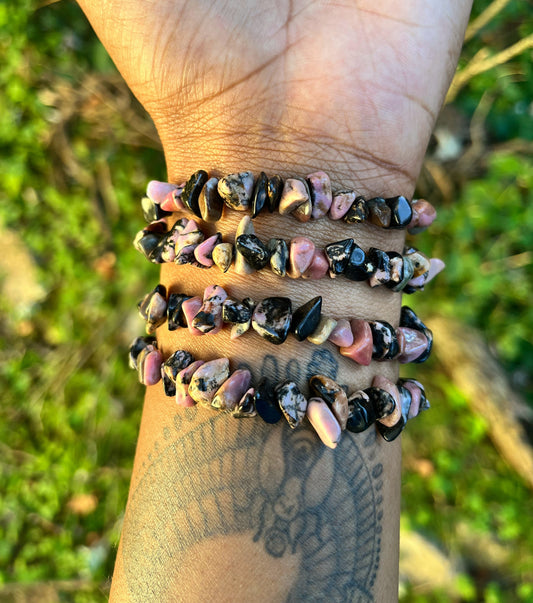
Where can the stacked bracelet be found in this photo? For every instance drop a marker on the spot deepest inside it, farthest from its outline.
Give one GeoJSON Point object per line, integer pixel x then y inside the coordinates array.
{"type": "Point", "coordinates": [329, 409]}
{"type": "Point", "coordinates": [309, 198]}
{"type": "Point", "coordinates": [186, 243]}
{"type": "Point", "coordinates": [273, 319]}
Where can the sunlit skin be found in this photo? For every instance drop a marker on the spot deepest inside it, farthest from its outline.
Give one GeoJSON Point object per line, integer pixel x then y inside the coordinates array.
{"type": "Point", "coordinates": [351, 88]}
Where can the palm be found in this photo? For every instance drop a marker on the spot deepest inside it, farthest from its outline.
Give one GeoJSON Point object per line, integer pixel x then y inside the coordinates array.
{"type": "Point", "coordinates": [366, 81]}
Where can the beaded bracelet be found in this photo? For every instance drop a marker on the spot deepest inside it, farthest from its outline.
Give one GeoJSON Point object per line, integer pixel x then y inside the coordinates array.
{"type": "Point", "coordinates": [329, 409]}
{"type": "Point", "coordinates": [185, 243]}
{"type": "Point", "coordinates": [303, 198]}
{"type": "Point", "coordinates": [273, 319]}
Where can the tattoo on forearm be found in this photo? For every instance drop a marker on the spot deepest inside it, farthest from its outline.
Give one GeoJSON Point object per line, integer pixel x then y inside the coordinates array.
{"type": "Point", "coordinates": [220, 479]}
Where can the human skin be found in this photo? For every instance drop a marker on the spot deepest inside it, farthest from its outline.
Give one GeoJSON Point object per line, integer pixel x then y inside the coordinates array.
{"type": "Point", "coordinates": [236, 510]}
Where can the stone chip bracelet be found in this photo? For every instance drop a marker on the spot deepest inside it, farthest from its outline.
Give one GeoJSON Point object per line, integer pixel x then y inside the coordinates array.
{"type": "Point", "coordinates": [305, 199]}
{"type": "Point", "coordinates": [273, 319]}
{"type": "Point", "coordinates": [328, 408]}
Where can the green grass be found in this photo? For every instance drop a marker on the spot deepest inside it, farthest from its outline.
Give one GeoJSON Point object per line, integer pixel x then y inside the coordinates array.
{"type": "Point", "coordinates": [69, 410]}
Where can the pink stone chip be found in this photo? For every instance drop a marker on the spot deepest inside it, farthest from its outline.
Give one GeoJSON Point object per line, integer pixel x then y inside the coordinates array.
{"type": "Point", "coordinates": [416, 396]}
{"type": "Point", "coordinates": [157, 191]}
{"type": "Point", "coordinates": [191, 226]}
{"type": "Point", "coordinates": [321, 197]}
{"type": "Point", "coordinates": [190, 308]}
{"type": "Point", "coordinates": [319, 266]}
{"type": "Point", "coordinates": [360, 351]}
{"type": "Point", "coordinates": [324, 422]}
{"type": "Point", "coordinates": [232, 390]}
{"type": "Point", "coordinates": [183, 378]}
{"type": "Point", "coordinates": [150, 368]}
{"type": "Point", "coordinates": [295, 193]}
{"type": "Point", "coordinates": [388, 386]}
{"type": "Point", "coordinates": [214, 297]}
{"type": "Point", "coordinates": [301, 251]}
{"type": "Point", "coordinates": [204, 252]}
{"type": "Point", "coordinates": [412, 344]}
{"type": "Point", "coordinates": [341, 203]}
{"type": "Point", "coordinates": [173, 202]}
{"type": "Point", "coordinates": [342, 335]}
{"type": "Point", "coordinates": [424, 214]}
{"type": "Point", "coordinates": [436, 265]}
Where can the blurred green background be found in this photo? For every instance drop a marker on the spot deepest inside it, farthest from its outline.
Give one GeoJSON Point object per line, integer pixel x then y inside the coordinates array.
{"type": "Point", "coordinates": [76, 153]}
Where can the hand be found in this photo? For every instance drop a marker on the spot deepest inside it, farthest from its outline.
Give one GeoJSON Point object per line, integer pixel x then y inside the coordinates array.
{"type": "Point", "coordinates": [353, 88]}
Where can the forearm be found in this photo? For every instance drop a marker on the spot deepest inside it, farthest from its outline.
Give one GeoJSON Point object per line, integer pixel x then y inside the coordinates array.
{"type": "Point", "coordinates": [205, 517]}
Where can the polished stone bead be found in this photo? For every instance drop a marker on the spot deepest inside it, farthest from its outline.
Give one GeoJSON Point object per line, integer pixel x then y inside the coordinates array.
{"type": "Point", "coordinates": [338, 255]}
{"type": "Point", "coordinates": [275, 189]}
{"type": "Point", "coordinates": [186, 244]}
{"type": "Point", "coordinates": [149, 366]}
{"type": "Point", "coordinates": [360, 351]}
{"type": "Point", "coordinates": [254, 251]}
{"type": "Point", "coordinates": [342, 335]}
{"type": "Point", "coordinates": [412, 344]}
{"type": "Point", "coordinates": [245, 227]}
{"type": "Point", "coordinates": [151, 210]}
{"type": "Point", "coordinates": [236, 312]}
{"type": "Point", "coordinates": [166, 250]}
{"type": "Point", "coordinates": [379, 213]}
{"type": "Point", "coordinates": [319, 266]}
{"type": "Point", "coordinates": [266, 402]}
{"type": "Point", "coordinates": [360, 412]}
{"type": "Point", "coordinates": [183, 379]}
{"type": "Point", "coordinates": [436, 265]}
{"type": "Point", "coordinates": [396, 269]}
{"type": "Point", "coordinates": [329, 390]}
{"type": "Point", "coordinates": [323, 330]}
{"type": "Point", "coordinates": [146, 243]}
{"type": "Point", "coordinates": [210, 202]}
{"type": "Point", "coordinates": [405, 400]}
{"type": "Point", "coordinates": [207, 380]}
{"type": "Point", "coordinates": [358, 267]}
{"type": "Point", "coordinates": [341, 203]}
{"type": "Point", "coordinates": [279, 256]}
{"type": "Point", "coordinates": [239, 329]}
{"type": "Point", "coordinates": [407, 274]}
{"type": "Point", "coordinates": [401, 212]}
{"type": "Point", "coordinates": [295, 193]}
{"type": "Point", "coordinates": [292, 402]}
{"type": "Point", "coordinates": [191, 307]}
{"type": "Point", "coordinates": [384, 341]}
{"type": "Point", "coordinates": [272, 319]}
{"type": "Point", "coordinates": [303, 212]}
{"type": "Point", "coordinates": [171, 367]}
{"type": "Point", "coordinates": [236, 190]}
{"type": "Point", "coordinates": [153, 306]}
{"type": "Point", "coordinates": [209, 317]}
{"type": "Point", "coordinates": [301, 252]}
{"type": "Point", "coordinates": [420, 261]}
{"type": "Point", "coordinates": [382, 402]}
{"type": "Point", "coordinates": [172, 202]}
{"type": "Point", "coordinates": [246, 406]}
{"type": "Point", "coordinates": [306, 318]}
{"type": "Point", "coordinates": [175, 315]}
{"type": "Point", "coordinates": [391, 433]}
{"type": "Point", "coordinates": [259, 194]}
{"type": "Point", "coordinates": [157, 191]}
{"type": "Point", "coordinates": [408, 318]}
{"type": "Point", "coordinates": [191, 193]}
{"type": "Point", "coordinates": [358, 211]}
{"type": "Point", "coordinates": [204, 252]}
{"type": "Point", "coordinates": [381, 262]}
{"type": "Point", "coordinates": [321, 196]}
{"type": "Point", "coordinates": [388, 417]}
{"type": "Point", "coordinates": [323, 422]}
{"type": "Point", "coordinates": [232, 390]}
{"type": "Point", "coordinates": [424, 215]}
{"type": "Point", "coordinates": [223, 256]}
{"type": "Point", "coordinates": [137, 346]}
{"type": "Point", "coordinates": [413, 386]}
{"type": "Point", "coordinates": [414, 390]}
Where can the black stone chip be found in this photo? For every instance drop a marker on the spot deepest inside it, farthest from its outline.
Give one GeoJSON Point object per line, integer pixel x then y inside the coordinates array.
{"type": "Point", "coordinates": [235, 312]}
{"type": "Point", "coordinates": [391, 433]}
{"type": "Point", "coordinates": [259, 194]}
{"type": "Point", "coordinates": [401, 212]}
{"type": "Point", "coordinates": [379, 213]}
{"type": "Point", "coordinates": [255, 252]}
{"type": "Point", "coordinates": [358, 211]}
{"type": "Point", "coordinates": [385, 344]}
{"type": "Point", "coordinates": [266, 403]}
{"type": "Point", "coordinates": [191, 192]}
{"type": "Point", "coordinates": [275, 188]}
{"type": "Point", "coordinates": [382, 402]}
{"type": "Point", "coordinates": [338, 255]}
{"type": "Point", "coordinates": [306, 318]}
{"type": "Point", "coordinates": [359, 266]}
{"type": "Point", "coordinates": [175, 315]}
{"type": "Point", "coordinates": [152, 211]}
